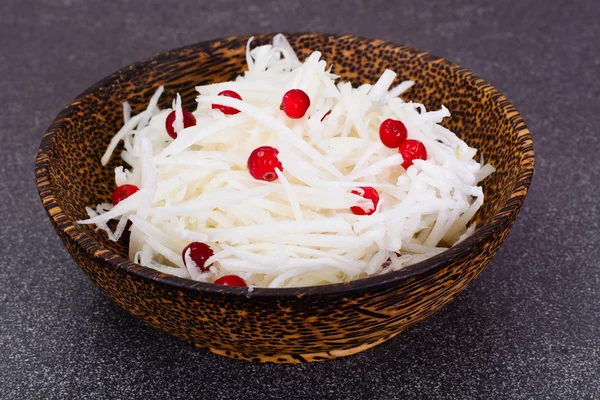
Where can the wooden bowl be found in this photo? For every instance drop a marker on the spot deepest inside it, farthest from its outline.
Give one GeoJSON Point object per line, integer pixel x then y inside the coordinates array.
{"type": "Point", "coordinates": [281, 325]}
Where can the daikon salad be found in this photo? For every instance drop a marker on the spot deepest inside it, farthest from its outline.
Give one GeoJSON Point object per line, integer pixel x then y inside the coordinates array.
{"type": "Point", "coordinates": [280, 178]}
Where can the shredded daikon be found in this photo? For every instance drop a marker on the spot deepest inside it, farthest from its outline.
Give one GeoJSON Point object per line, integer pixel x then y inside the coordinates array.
{"type": "Point", "coordinates": [297, 230]}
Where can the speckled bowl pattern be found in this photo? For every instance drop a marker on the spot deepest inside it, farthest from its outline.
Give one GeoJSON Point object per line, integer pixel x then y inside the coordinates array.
{"type": "Point", "coordinates": [281, 325]}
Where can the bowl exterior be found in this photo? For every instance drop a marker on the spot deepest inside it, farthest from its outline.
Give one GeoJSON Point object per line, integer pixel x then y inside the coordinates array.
{"type": "Point", "coordinates": [292, 325]}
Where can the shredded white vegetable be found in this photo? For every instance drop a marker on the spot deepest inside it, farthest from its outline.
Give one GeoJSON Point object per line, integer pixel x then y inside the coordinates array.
{"type": "Point", "coordinates": [297, 230]}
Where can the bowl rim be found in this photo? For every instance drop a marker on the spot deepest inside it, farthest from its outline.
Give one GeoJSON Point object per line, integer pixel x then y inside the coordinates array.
{"type": "Point", "coordinates": [482, 234]}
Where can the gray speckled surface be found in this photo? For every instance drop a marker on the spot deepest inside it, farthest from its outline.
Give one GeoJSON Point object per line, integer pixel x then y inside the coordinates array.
{"type": "Point", "coordinates": [527, 328]}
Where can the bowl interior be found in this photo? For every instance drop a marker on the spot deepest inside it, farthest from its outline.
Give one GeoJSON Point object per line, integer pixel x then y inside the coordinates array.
{"type": "Point", "coordinates": [480, 115]}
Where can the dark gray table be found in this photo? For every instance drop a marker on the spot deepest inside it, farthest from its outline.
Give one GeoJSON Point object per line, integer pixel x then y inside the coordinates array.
{"type": "Point", "coordinates": [527, 328]}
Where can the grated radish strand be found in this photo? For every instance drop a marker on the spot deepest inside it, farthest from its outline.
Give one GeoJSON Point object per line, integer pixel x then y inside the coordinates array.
{"type": "Point", "coordinates": [296, 230]}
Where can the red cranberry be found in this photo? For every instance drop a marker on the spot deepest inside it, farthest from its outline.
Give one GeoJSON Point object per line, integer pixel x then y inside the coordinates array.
{"type": "Point", "coordinates": [411, 150]}
{"type": "Point", "coordinates": [225, 109]}
{"type": "Point", "coordinates": [199, 253]}
{"type": "Point", "coordinates": [392, 133]}
{"type": "Point", "coordinates": [123, 192]}
{"type": "Point", "coordinates": [295, 103]}
{"type": "Point", "coordinates": [262, 163]}
{"type": "Point", "coordinates": [231, 280]}
{"type": "Point", "coordinates": [368, 193]}
{"type": "Point", "coordinates": [188, 120]}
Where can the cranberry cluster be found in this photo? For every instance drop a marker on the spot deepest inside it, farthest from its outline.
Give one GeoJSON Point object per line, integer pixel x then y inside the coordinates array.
{"type": "Point", "coordinates": [263, 161]}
